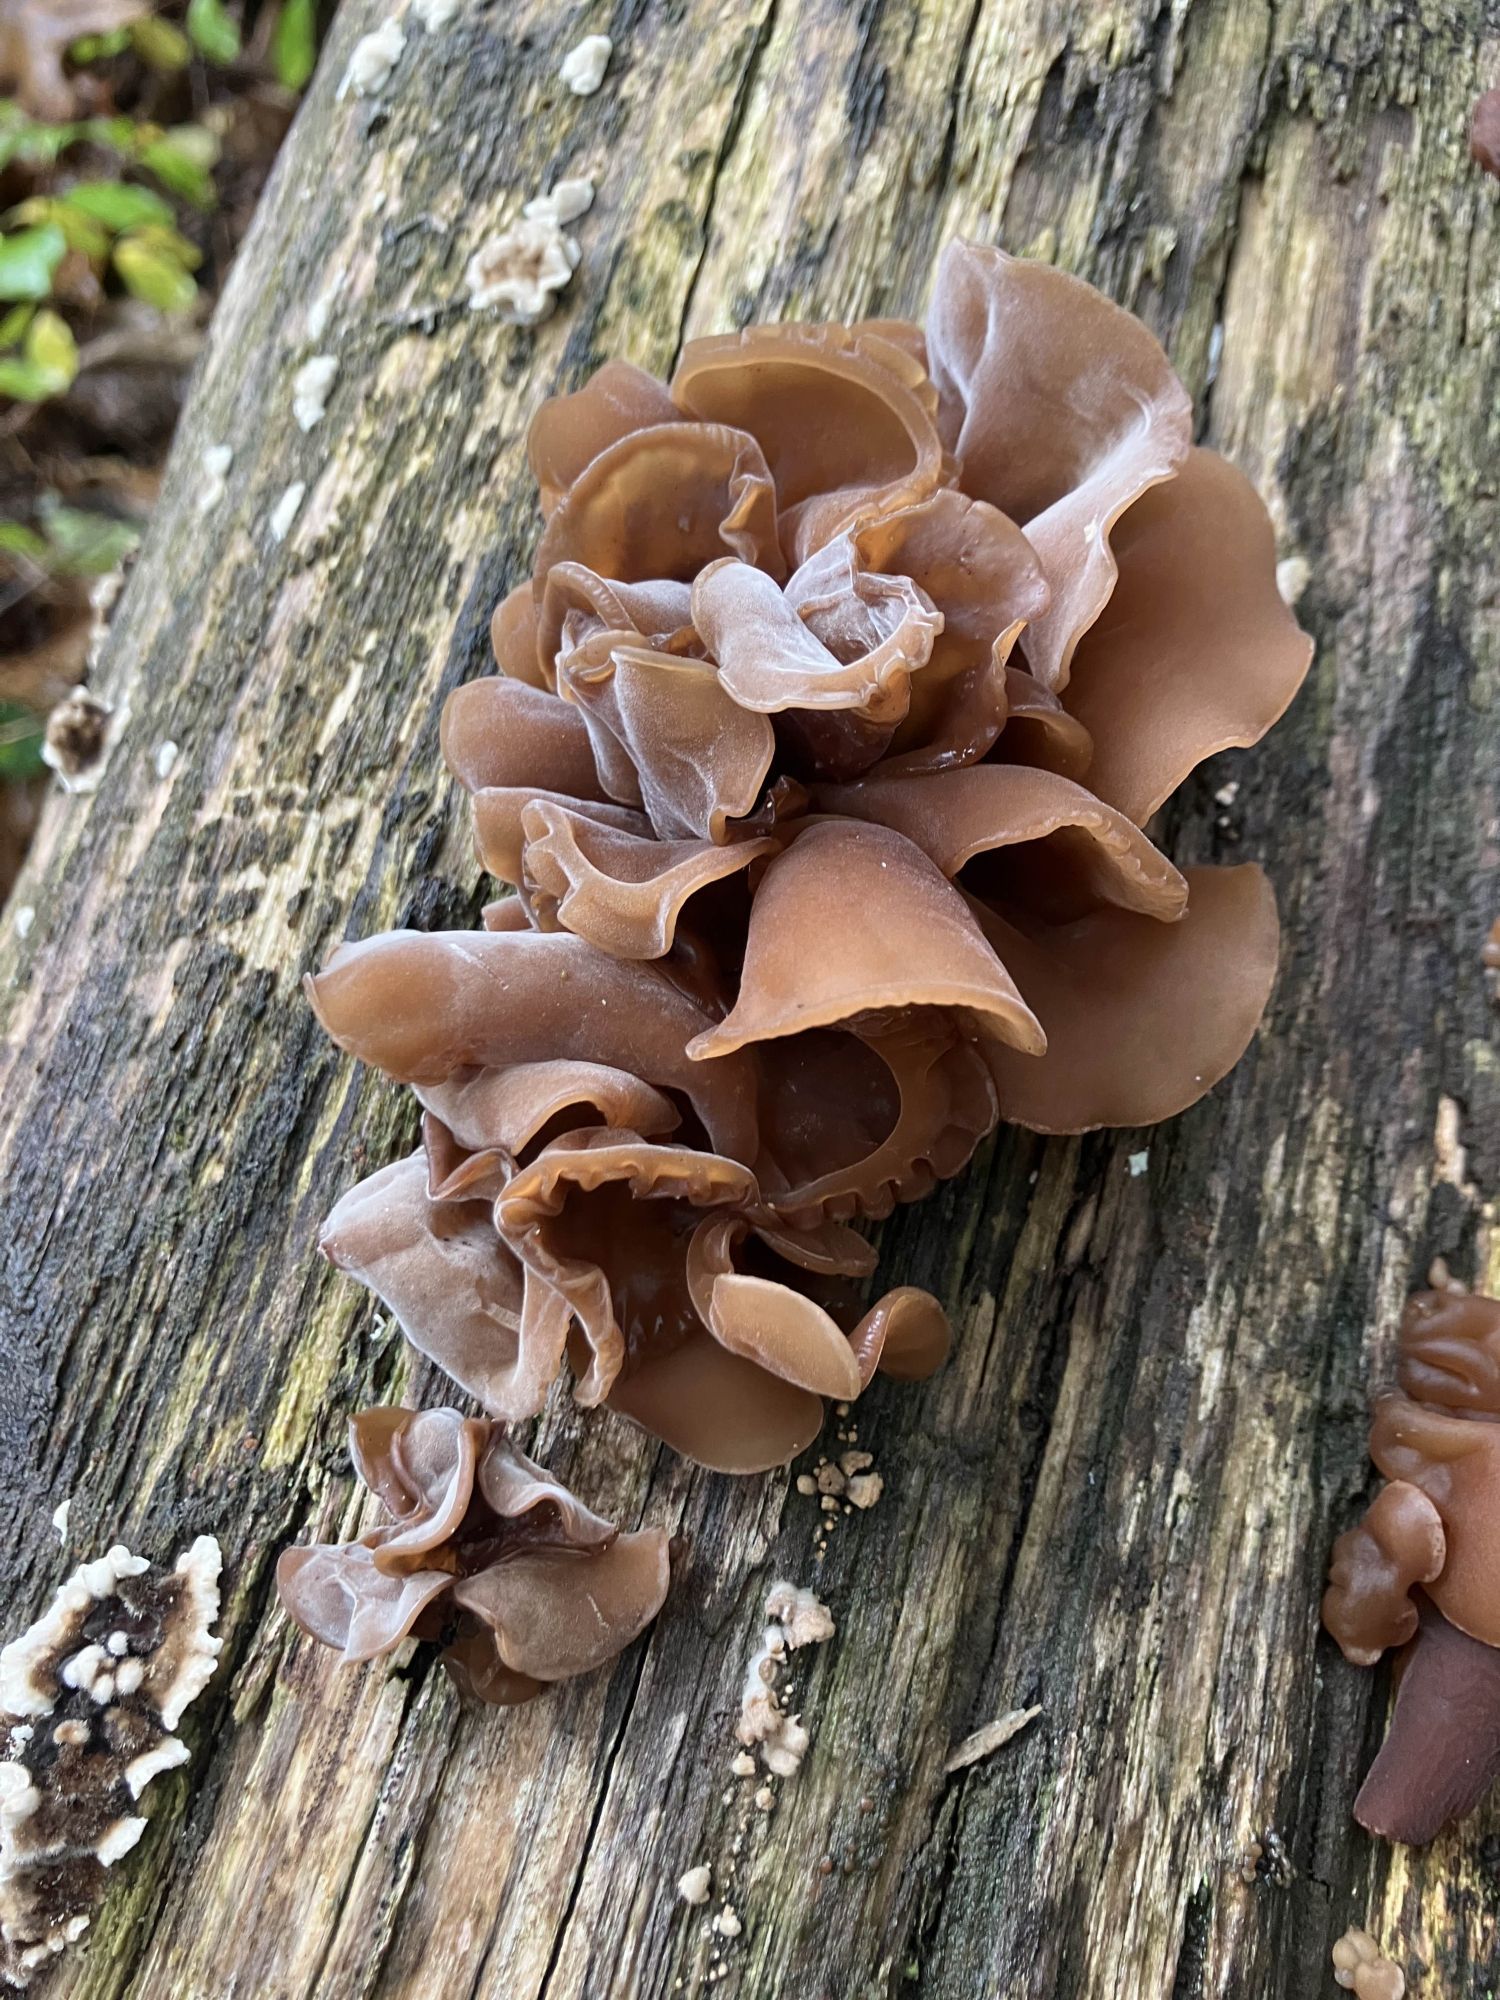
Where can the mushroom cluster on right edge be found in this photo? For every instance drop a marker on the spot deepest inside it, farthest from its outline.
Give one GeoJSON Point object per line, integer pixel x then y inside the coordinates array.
{"type": "Point", "coordinates": [1421, 1570]}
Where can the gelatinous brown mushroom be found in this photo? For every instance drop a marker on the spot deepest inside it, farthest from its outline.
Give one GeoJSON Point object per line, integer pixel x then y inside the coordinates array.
{"type": "Point", "coordinates": [853, 663]}
{"type": "Point", "coordinates": [1484, 132]}
{"type": "Point", "coordinates": [486, 1553]}
{"type": "Point", "coordinates": [1422, 1569]}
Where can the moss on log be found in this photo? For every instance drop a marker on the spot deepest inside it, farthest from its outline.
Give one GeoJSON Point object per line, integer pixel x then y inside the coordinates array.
{"type": "Point", "coordinates": [1117, 1501]}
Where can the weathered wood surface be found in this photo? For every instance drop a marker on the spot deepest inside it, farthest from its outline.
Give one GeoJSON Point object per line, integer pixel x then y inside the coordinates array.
{"type": "Point", "coordinates": [1117, 1500]}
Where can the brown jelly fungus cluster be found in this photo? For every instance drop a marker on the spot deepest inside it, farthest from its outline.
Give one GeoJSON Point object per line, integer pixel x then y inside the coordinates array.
{"type": "Point", "coordinates": [484, 1553]}
{"type": "Point", "coordinates": [852, 666]}
{"type": "Point", "coordinates": [1420, 1572]}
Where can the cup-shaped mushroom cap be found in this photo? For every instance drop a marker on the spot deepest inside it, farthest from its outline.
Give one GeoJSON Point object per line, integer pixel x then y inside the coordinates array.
{"type": "Point", "coordinates": [1195, 652]}
{"type": "Point", "coordinates": [797, 1339]}
{"type": "Point", "coordinates": [662, 503]}
{"type": "Point", "coordinates": [1449, 1351]}
{"type": "Point", "coordinates": [1442, 1752]}
{"type": "Point", "coordinates": [420, 1005]}
{"type": "Point", "coordinates": [1369, 1604]}
{"type": "Point", "coordinates": [529, 1584]}
{"type": "Point", "coordinates": [568, 432]}
{"type": "Point", "coordinates": [853, 1123]}
{"type": "Point", "coordinates": [836, 638]}
{"type": "Point", "coordinates": [454, 1287]}
{"type": "Point", "coordinates": [513, 639]}
{"type": "Point", "coordinates": [604, 1221]}
{"type": "Point", "coordinates": [338, 1596]}
{"type": "Point", "coordinates": [844, 415]}
{"type": "Point", "coordinates": [498, 731]}
{"type": "Point", "coordinates": [578, 605]}
{"type": "Point", "coordinates": [1456, 1462]}
{"type": "Point", "coordinates": [971, 563]}
{"type": "Point", "coordinates": [905, 1334]}
{"type": "Point", "coordinates": [1054, 849]}
{"type": "Point", "coordinates": [421, 1465]}
{"type": "Point", "coordinates": [1142, 1017]}
{"type": "Point", "coordinates": [500, 832]}
{"type": "Point", "coordinates": [506, 1110]}
{"type": "Point", "coordinates": [1039, 731]}
{"type": "Point", "coordinates": [667, 735]}
{"type": "Point", "coordinates": [717, 1408]}
{"type": "Point", "coordinates": [852, 920]}
{"type": "Point", "coordinates": [1063, 410]}
{"type": "Point", "coordinates": [622, 891]}
{"type": "Point", "coordinates": [550, 1622]}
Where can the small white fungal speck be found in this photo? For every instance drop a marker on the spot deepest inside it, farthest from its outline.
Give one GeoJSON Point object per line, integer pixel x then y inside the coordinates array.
{"type": "Point", "coordinates": [583, 67]}
{"type": "Point", "coordinates": [374, 57]}
{"type": "Point", "coordinates": [1138, 1163]}
{"type": "Point", "coordinates": [743, 1765]}
{"type": "Point", "coordinates": [727, 1922]}
{"type": "Point", "coordinates": [806, 1483]}
{"type": "Point", "coordinates": [60, 1512]}
{"type": "Point", "coordinates": [1293, 574]}
{"type": "Point", "coordinates": [1227, 794]}
{"type": "Point", "coordinates": [865, 1488]}
{"type": "Point", "coordinates": [285, 511]}
{"type": "Point", "coordinates": [564, 203]}
{"type": "Point", "coordinates": [217, 460]}
{"type": "Point", "coordinates": [765, 1798]}
{"type": "Point", "coordinates": [166, 758]}
{"type": "Point", "coordinates": [435, 15]}
{"type": "Point", "coordinates": [694, 1886]}
{"type": "Point", "coordinates": [521, 271]}
{"type": "Point", "coordinates": [311, 387]}
{"type": "Point", "coordinates": [25, 918]}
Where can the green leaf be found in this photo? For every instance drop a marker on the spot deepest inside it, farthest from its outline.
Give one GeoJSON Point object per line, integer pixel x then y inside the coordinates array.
{"type": "Point", "coordinates": [28, 259]}
{"type": "Point", "coordinates": [153, 272]}
{"type": "Point", "coordinates": [21, 736]}
{"type": "Point", "coordinates": [294, 44]}
{"type": "Point", "coordinates": [80, 232]}
{"type": "Point", "coordinates": [181, 162]}
{"type": "Point", "coordinates": [99, 48]}
{"type": "Point", "coordinates": [85, 544]}
{"type": "Point", "coordinates": [46, 365]}
{"type": "Point", "coordinates": [118, 206]}
{"type": "Point", "coordinates": [212, 29]}
{"type": "Point", "coordinates": [160, 45]}
{"type": "Point", "coordinates": [14, 324]}
{"type": "Point", "coordinates": [16, 539]}
{"type": "Point", "coordinates": [23, 138]}
{"type": "Point", "coordinates": [50, 344]}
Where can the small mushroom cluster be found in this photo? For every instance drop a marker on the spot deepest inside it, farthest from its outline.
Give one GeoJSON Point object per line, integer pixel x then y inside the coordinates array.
{"type": "Point", "coordinates": [90, 1700]}
{"type": "Point", "coordinates": [1419, 1572]}
{"type": "Point", "coordinates": [851, 668]}
{"type": "Point", "coordinates": [484, 1552]}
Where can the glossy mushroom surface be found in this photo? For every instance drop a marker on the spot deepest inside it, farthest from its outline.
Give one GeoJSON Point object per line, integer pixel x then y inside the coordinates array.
{"type": "Point", "coordinates": [818, 765]}
{"type": "Point", "coordinates": [1422, 1569]}
{"type": "Point", "coordinates": [484, 1551]}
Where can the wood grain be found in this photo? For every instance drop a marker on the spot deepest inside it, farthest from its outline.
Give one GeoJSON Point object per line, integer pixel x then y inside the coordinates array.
{"type": "Point", "coordinates": [1117, 1502]}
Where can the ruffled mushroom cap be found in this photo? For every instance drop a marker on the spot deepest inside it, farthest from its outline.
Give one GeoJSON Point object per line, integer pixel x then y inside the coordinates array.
{"type": "Point", "coordinates": [522, 1582]}
{"type": "Point", "coordinates": [1422, 1567]}
{"type": "Point", "coordinates": [851, 666]}
{"type": "Point", "coordinates": [421, 1006]}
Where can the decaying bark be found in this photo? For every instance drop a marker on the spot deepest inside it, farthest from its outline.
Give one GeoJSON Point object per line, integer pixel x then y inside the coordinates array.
{"type": "Point", "coordinates": [1117, 1501]}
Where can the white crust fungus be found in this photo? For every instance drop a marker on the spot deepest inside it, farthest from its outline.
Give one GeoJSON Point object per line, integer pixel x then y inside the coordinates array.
{"type": "Point", "coordinates": [312, 385]}
{"type": "Point", "coordinates": [583, 67]}
{"type": "Point", "coordinates": [113, 1662]}
{"type": "Point", "coordinates": [374, 57]}
{"type": "Point", "coordinates": [521, 271]}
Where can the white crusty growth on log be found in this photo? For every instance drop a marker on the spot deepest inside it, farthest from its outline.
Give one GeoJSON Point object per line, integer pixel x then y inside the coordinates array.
{"type": "Point", "coordinates": [797, 1619]}
{"type": "Point", "coordinates": [90, 1697]}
